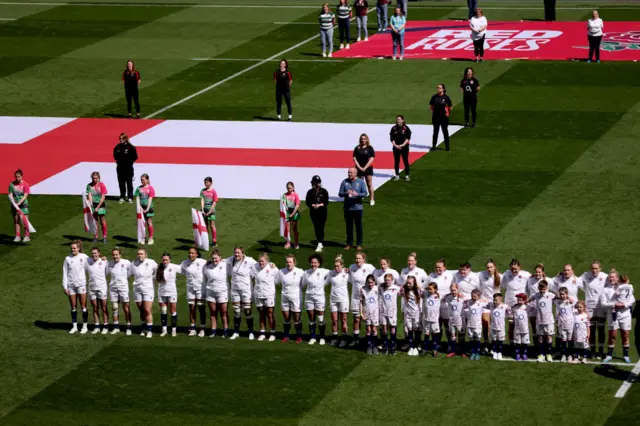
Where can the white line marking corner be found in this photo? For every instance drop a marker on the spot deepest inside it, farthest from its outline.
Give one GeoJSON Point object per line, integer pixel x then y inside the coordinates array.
{"type": "Point", "coordinates": [633, 376]}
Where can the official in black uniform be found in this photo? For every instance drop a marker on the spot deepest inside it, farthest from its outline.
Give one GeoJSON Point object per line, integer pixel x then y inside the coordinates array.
{"type": "Point", "coordinates": [125, 155]}
{"type": "Point", "coordinates": [282, 78]}
{"type": "Point", "coordinates": [400, 136]}
{"type": "Point", "coordinates": [363, 158]}
{"type": "Point", "coordinates": [469, 87]}
{"type": "Point", "coordinates": [550, 10]}
{"type": "Point", "coordinates": [131, 79]}
{"type": "Point", "coordinates": [317, 201]}
{"type": "Point", "coordinates": [441, 107]}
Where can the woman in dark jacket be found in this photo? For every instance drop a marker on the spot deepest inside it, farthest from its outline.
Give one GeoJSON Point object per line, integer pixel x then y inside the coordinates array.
{"type": "Point", "coordinates": [317, 200]}
{"type": "Point", "coordinates": [131, 79]}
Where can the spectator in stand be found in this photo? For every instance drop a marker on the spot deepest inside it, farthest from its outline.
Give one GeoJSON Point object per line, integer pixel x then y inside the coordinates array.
{"type": "Point", "coordinates": [472, 5]}
{"type": "Point", "coordinates": [403, 5]}
{"type": "Point", "coordinates": [470, 86]}
{"type": "Point", "coordinates": [362, 8]}
{"type": "Point", "coordinates": [441, 106]}
{"type": "Point", "coordinates": [125, 155]}
{"type": "Point", "coordinates": [398, 22]}
{"type": "Point", "coordinates": [344, 18]}
{"type": "Point", "coordinates": [594, 34]}
{"type": "Point", "coordinates": [131, 79]}
{"type": "Point", "coordinates": [353, 189]}
{"type": "Point", "coordinates": [478, 26]}
{"type": "Point", "coordinates": [400, 139]}
{"type": "Point", "coordinates": [550, 10]}
{"type": "Point", "coordinates": [283, 80]}
{"type": "Point", "coordinates": [317, 201]}
{"type": "Point", "coordinates": [327, 21]}
{"type": "Point", "coordinates": [363, 157]}
{"type": "Point", "coordinates": [383, 14]}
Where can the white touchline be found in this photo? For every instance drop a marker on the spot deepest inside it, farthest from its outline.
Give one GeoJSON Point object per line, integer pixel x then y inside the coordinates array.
{"type": "Point", "coordinates": [633, 376]}
{"type": "Point", "coordinates": [296, 23]}
{"type": "Point", "coordinates": [258, 60]}
{"type": "Point", "coordinates": [239, 73]}
{"type": "Point", "coordinates": [8, 19]}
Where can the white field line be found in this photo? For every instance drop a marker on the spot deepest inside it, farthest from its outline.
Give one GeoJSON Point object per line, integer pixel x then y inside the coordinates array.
{"type": "Point", "coordinates": [624, 387]}
{"type": "Point", "coordinates": [8, 19]}
{"type": "Point", "coordinates": [296, 23]}
{"type": "Point", "coordinates": [258, 60]}
{"type": "Point", "coordinates": [239, 73]}
{"type": "Point", "coordinates": [617, 364]}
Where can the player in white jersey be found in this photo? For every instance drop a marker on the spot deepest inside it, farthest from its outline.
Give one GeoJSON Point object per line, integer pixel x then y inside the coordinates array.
{"type": "Point", "coordinates": [514, 281]}
{"type": "Point", "coordinates": [370, 312]}
{"type": "Point", "coordinates": [567, 279]}
{"type": "Point", "coordinates": [420, 275]}
{"type": "Point", "coordinates": [499, 314]}
{"type": "Point", "coordinates": [358, 273]}
{"type": "Point", "coordinates": [618, 301]}
{"type": "Point", "coordinates": [74, 284]}
{"type": "Point", "coordinates": [96, 267]}
{"type": "Point", "coordinates": [543, 302]}
{"type": "Point", "coordinates": [193, 269]}
{"type": "Point", "coordinates": [467, 280]}
{"type": "Point", "coordinates": [339, 301]}
{"type": "Point", "coordinates": [473, 313]}
{"type": "Point", "coordinates": [431, 308]}
{"type": "Point", "coordinates": [216, 282]}
{"type": "Point", "coordinates": [521, 336]}
{"type": "Point", "coordinates": [291, 301]}
{"type": "Point", "coordinates": [443, 279]}
{"type": "Point", "coordinates": [490, 283]}
{"type": "Point", "coordinates": [564, 319]}
{"type": "Point", "coordinates": [239, 266]}
{"type": "Point", "coordinates": [389, 292]}
{"type": "Point", "coordinates": [411, 308]}
{"type": "Point", "coordinates": [315, 279]}
{"type": "Point", "coordinates": [532, 288]}
{"type": "Point", "coordinates": [385, 268]}
{"type": "Point", "coordinates": [593, 283]}
{"type": "Point", "coordinates": [144, 271]}
{"type": "Point", "coordinates": [454, 302]}
{"type": "Point", "coordinates": [166, 276]}
{"type": "Point", "coordinates": [264, 275]}
{"type": "Point", "coordinates": [119, 270]}
{"type": "Point", "coordinates": [581, 332]}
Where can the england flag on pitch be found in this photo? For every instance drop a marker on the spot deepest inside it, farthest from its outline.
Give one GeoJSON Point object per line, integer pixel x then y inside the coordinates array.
{"type": "Point", "coordinates": [89, 221]}
{"type": "Point", "coordinates": [142, 232]}
{"type": "Point", "coordinates": [200, 233]}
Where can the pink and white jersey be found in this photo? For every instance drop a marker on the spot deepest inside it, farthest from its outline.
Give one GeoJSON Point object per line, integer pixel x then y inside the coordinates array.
{"type": "Point", "coordinates": [592, 285]}
{"type": "Point", "coordinates": [580, 327]}
{"type": "Point", "coordinates": [119, 272]}
{"type": "Point", "coordinates": [168, 287]}
{"type": "Point", "coordinates": [411, 308]}
{"type": "Point", "coordinates": [488, 286]}
{"type": "Point", "coordinates": [216, 277]}
{"type": "Point", "coordinates": [209, 196]}
{"type": "Point", "coordinates": [564, 314]}
{"type": "Point", "coordinates": [264, 280]}
{"type": "Point", "coordinates": [514, 284]}
{"type": "Point", "coordinates": [466, 284]}
{"type": "Point", "coordinates": [573, 284]}
{"type": "Point", "coordinates": [521, 319]}
{"type": "Point", "coordinates": [73, 271]}
{"type": "Point", "coordinates": [431, 307]}
{"type": "Point", "coordinates": [418, 273]}
{"type": "Point", "coordinates": [315, 280]}
{"type": "Point", "coordinates": [145, 193]}
{"type": "Point", "coordinates": [358, 276]}
{"type": "Point", "coordinates": [144, 273]}
{"type": "Point", "coordinates": [544, 307]}
{"type": "Point", "coordinates": [473, 313]}
{"type": "Point", "coordinates": [97, 270]}
{"type": "Point", "coordinates": [240, 272]}
{"type": "Point", "coordinates": [499, 314]}
{"type": "Point", "coordinates": [19, 190]}
{"type": "Point", "coordinates": [380, 273]}
{"type": "Point", "coordinates": [339, 286]}
{"type": "Point", "coordinates": [96, 191]}
{"type": "Point", "coordinates": [389, 301]}
{"type": "Point", "coordinates": [371, 302]}
{"type": "Point", "coordinates": [291, 281]}
{"type": "Point", "coordinates": [455, 306]}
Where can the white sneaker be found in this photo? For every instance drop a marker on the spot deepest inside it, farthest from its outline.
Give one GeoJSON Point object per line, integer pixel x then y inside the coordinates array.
{"type": "Point", "coordinates": [96, 330]}
{"type": "Point", "coordinates": [116, 330]}
{"type": "Point", "coordinates": [348, 46]}
{"type": "Point", "coordinates": [261, 337]}
{"type": "Point", "coordinates": [164, 332]}
{"type": "Point", "coordinates": [174, 332]}
{"type": "Point", "coordinates": [584, 360]}
{"type": "Point", "coordinates": [251, 336]}
{"type": "Point", "coordinates": [499, 356]}
{"type": "Point", "coordinates": [372, 202]}
{"type": "Point", "coordinates": [192, 333]}
{"type": "Point", "coordinates": [549, 358]}
{"type": "Point", "coordinates": [143, 333]}
{"type": "Point", "coordinates": [150, 242]}
{"type": "Point", "coordinates": [105, 329]}
{"type": "Point", "coordinates": [407, 178]}
{"type": "Point", "coordinates": [121, 201]}
{"type": "Point", "coordinates": [394, 58]}
{"type": "Point", "coordinates": [128, 332]}
{"type": "Point", "coordinates": [563, 359]}
{"type": "Point", "coordinates": [234, 336]}
{"type": "Point", "coordinates": [410, 353]}
{"type": "Point", "coordinates": [130, 201]}
{"type": "Point", "coordinates": [495, 355]}
{"type": "Point", "coordinates": [74, 329]}
{"type": "Point", "coordinates": [324, 55]}
{"type": "Point", "coordinates": [541, 358]}
{"type": "Point", "coordinates": [312, 341]}
{"type": "Point", "coordinates": [17, 240]}
{"type": "Point", "coordinates": [322, 342]}
{"type": "Point", "coordinates": [201, 333]}
{"type": "Point", "coordinates": [272, 338]}
{"type": "Point", "coordinates": [341, 45]}
{"type": "Point", "coordinates": [319, 248]}
{"type": "Point", "coordinates": [416, 352]}
{"type": "Point", "coordinates": [358, 39]}
{"type": "Point", "coordinates": [141, 242]}
{"type": "Point", "coordinates": [396, 177]}
{"type": "Point", "coordinates": [149, 335]}
{"type": "Point", "coordinates": [279, 117]}
{"type": "Point", "coordinates": [366, 39]}
{"type": "Point", "coordinates": [26, 239]}
{"type": "Point", "coordinates": [570, 358]}
{"type": "Point", "coordinates": [401, 57]}
{"type": "Point", "coordinates": [330, 54]}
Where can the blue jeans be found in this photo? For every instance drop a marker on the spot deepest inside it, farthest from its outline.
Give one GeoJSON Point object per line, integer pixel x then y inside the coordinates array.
{"type": "Point", "coordinates": [362, 25]}
{"type": "Point", "coordinates": [402, 4]}
{"type": "Point", "coordinates": [398, 43]}
{"type": "Point", "coordinates": [326, 36]}
{"type": "Point", "coordinates": [383, 17]}
{"type": "Point", "coordinates": [472, 5]}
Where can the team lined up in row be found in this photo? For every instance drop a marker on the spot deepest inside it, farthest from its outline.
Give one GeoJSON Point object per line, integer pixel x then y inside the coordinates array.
{"type": "Point", "coordinates": [462, 304]}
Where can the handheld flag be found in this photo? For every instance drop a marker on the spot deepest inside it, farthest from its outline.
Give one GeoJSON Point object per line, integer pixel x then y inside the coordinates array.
{"type": "Point", "coordinates": [284, 229]}
{"type": "Point", "coordinates": [89, 221]}
{"type": "Point", "coordinates": [200, 233]}
{"type": "Point", "coordinates": [23, 217]}
{"type": "Point", "coordinates": [142, 232]}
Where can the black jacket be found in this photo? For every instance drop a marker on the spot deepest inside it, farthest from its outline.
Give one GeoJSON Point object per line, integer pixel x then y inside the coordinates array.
{"type": "Point", "coordinates": [315, 197]}
{"type": "Point", "coordinates": [125, 154]}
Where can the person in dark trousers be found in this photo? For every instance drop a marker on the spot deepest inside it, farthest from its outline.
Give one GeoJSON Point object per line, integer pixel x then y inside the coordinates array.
{"type": "Point", "coordinates": [472, 5]}
{"type": "Point", "coordinates": [282, 78]}
{"type": "Point", "coordinates": [363, 158]}
{"type": "Point", "coordinates": [595, 25]}
{"type": "Point", "coordinates": [131, 79]}
{"type": "Point", "coordinates": [317, 201]}
{"type": "Point", "coordinates": [344, 17]}
{"type": "Point", "coordinates": [353, 189]}
{"type": "Point", "coordinates": [441, 107]}
{"type": "Point", "coordinates": [400, 136]}
{"type": "Point", "coordinates": [125, 155]}
{"type": "Point", "coordinates": [550, 10]}
{"type": "Point", "coordinates": [469, 87]}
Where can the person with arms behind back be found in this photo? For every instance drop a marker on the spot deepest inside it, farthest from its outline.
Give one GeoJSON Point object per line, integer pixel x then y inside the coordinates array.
{"type": "Point", "coordinates": [317, 200]}
{"type": "Point", "coordinates": [353, 189]}
{"type": "Point", "coordinates": [125, 155]}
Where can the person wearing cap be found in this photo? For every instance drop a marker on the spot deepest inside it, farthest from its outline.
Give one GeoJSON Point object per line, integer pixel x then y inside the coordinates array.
{"type": "Point", "coordinates": [353, 189]}
{"type": "Point", "coordinates": [317, 200]}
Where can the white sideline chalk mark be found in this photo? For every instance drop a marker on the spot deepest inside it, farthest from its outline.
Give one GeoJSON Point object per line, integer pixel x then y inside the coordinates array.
{"type": "Point", "coordinates": [633, 376]}
{"type": "Point", "coordinates": [296, 23]}
{"type": "Point", "coordinates": [8, 19]}
{"type": "Point", "coordinates": [617, 364]}
{"type": "Point", "coordinates": [258, 60]}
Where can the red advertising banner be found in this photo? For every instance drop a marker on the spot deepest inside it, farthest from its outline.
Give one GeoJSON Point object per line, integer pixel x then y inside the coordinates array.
{"type": "Point", "coordinates": [504, 40]}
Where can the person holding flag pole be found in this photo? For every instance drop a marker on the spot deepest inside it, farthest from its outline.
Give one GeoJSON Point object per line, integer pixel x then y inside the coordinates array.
{"type": "Point", "coordinates": [289, 216]}
{"type": "Point", "coordinates": [200, 234]}
{"type": "Point", "coordinates": [208, 202]}
{"type": "Point", "coordinates": [145, 195]}
{"type": "Point", "coordinates": [142, 232]}
{"type": "Point", "coordinates": [18, 192]}
{"type": "Point", "coordinates": [90, 225]}
{"type": "Point", "coordinates": [96, 192]}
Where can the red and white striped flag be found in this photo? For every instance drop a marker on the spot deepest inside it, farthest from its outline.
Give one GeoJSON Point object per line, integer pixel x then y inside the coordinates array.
{"type": "Point", "coordinates": [200, 233]}
{"type": "Point", "coordinates": [142, 232]}
{"type": "Point", "coordinates": [284, 230]}
{"type": "Point", "coordinates": [25, 220]}
{"type": "Point", "coordinates": [89, 221]}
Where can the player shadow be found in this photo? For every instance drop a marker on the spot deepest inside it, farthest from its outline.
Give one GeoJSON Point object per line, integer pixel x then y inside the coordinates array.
{"type": "Point", "coordinates": [111, 115]}
{"type": "Point", "coordinates": [8, 239]}
{"type": "Point", "coordinates": [70, 238]}
{"type": "Point", "coordinates": [315, 55]}
{"type": "Point", "coordinates": [636, 332]}
{"type": "Point", "coordinates": [613, 372]}
{"type": "Point", "coordinates": [462, 59]}
{"type": "Point", "coordinates": [263, 118]}
{"type": "Point", "coordinates": [185, 244]}
{"type": "Point", "coordinates": [124, 241]}
{"type": "Point", "coordinates": [534, 19]}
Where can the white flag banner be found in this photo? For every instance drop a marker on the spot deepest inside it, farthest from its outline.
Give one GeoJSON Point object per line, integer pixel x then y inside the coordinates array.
{"type": "Point", "coordinates": [142, 232]}
{"type": "Point", "coordinates": [23, 217]}
{"type": "Point", "coordinates": [284, 230]}
{"type": "Point", "coordinates": [200, 233]}
{"type": "Point", "coordinates": [89, 221]}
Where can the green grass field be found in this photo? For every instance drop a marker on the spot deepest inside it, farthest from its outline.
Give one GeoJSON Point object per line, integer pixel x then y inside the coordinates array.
{"type": "Point", "coordinates": [550, 174]}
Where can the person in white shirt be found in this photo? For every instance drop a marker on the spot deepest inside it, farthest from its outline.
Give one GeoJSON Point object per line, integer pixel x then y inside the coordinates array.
{"type": "Point", "coordinates": [473, 313]}
{"type": "Point", "coordinates": [466, 280]}
{"type": "Point", "coordinates": [96, 267]}
{"type": "Point", "coordinates": [339, 301]}
{"type": "Point", "coordinates": [443, 279]}
{"type": "Point", "coordinates": [389, 292]}
{"type": "Point", "coordinates": [119, 270]}
{"type": "Point", "coordinates": [595, 27]}
{"type": "Point", "coordinates": [431, 314]}
{"type": "Point", "coordinates": [593, 283]}
{"type": "Point", "coordinates": [581, 332]}
{"type": "Point", "coordinates": [564, 319]}
{"type": "Point", "coordinates": [411, 308]}
{"type": "Point", "coordinates": [74, 284]}
{"type": "Point", "coordinates": [567, 279]}
{"type": "Point", "coordinates": [370, 305]}
{"type": "Point", "coordinates": [315, 279]}
{"type": "Point", "coordinates": [216, 281]}
{"type": "Point", "coordinates": [358, 273]}
{"type": "Point", "coordinates": [514, 281]}
{"type": "Point", "coordinates": [264, 275]}
{"type": "Point", "coordinates": [168, 293]}
{"type": "Point", "coordinates": [144, 271]}
{"type": "Point", "coordinates": [521, 331]}
{"type": "Point", "coordinates": [385, 268]}
{"type": "Point", "coordinates": [543, 302]}
{"type": "Point", "coordinates": [490, 283]}
{"type": "Point", "coordinates": [499, 312]}
{"type": "Point", "coordinates": [617, 301]}
{"type": "Point", "coordinates": [532, 288]}
{"type": "Point", "coordinates": [291, 299]}
{"type": "Point", "coordinates": [239, 268]}
{"type": "Point", "coordinates": [478, 25]}
{"type": "Point", "coordinates": [420, 275]}
{"type": "Point", "coordinates": [454, 302]}
{"type": "Point", "coordinates": [193, 268]}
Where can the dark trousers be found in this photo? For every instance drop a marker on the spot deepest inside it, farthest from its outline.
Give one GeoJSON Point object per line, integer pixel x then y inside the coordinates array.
{"type": "Point", "coordinates": [549, 10]}
{"type": "Point", "coordinates": [594, 46]}
{"type": "Point", "coordinates": [404, 153]}
{"type": "Point", "coordinates": [345, 31]}
{"type": "Point", "coordinates": [351, 216]}
{"type": "Point", "coordinates": [280, 93]}
{"type": "Point", "coordinates": [125, 181]}
{"type": "Point", "coordinates": [132, 96]}
{"type": "Point", "coordinates": [470, 105]}
{"type": "Point", "coordinates": [319, 218]}
{"type": "Point", "coordinates": [440, 123]}
{"type": "Point", "coordinates": [472, 5]}
{"type": "Point", "coordinates": [478, 47]}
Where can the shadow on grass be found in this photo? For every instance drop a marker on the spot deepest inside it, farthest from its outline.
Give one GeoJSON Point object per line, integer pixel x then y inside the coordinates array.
{"type": "Point", "coordinates": [258, 117]}
{"type": "Point", "coordinates": [124, 241]}
{"type": "Point", "coordinates": [8, 239]}
{"type": "Point", "coordinates": [71, 238]}
{"type": "Point", "coordinates": [112, 115]}
{"type": "Point", "coordinates": [612, 372]}
{"type": "Point", "coordinates": [268, 246]}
